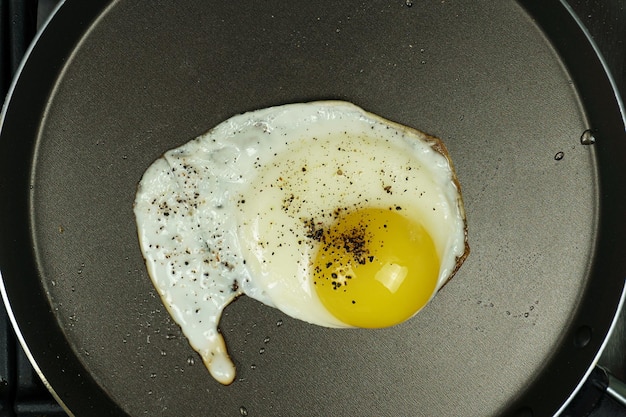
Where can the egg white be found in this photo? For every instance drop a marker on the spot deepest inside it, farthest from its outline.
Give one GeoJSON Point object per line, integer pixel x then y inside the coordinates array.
{"type": "Point", "coordinates": [229, 212]}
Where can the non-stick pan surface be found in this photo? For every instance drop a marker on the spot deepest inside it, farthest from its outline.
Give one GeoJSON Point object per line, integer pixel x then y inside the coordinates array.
{"type": "Point", "coordinates": [510, 88]}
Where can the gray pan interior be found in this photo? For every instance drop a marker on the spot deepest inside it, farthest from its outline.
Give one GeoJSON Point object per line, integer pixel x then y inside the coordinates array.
{"type": "Point", "coordinates": [141, 77]}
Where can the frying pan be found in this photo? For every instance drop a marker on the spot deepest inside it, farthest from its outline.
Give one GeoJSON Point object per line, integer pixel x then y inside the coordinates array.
{"type": "Point", "coordinates": [510, 87]}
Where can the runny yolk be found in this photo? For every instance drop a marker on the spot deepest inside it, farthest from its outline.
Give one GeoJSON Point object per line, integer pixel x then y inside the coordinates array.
{"type": "Point", "coordinates": [375, 268]}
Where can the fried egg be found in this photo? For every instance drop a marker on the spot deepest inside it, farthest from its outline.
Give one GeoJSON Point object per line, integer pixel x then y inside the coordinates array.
{"type": "Point", "coordinates": [331, 214]}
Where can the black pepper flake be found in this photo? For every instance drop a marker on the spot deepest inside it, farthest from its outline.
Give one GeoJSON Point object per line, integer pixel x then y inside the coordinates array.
{"type": "Point", "coordinates": [235, 286]}
{"type": "Point", "coordinates": [387, 189]}
{"type": "Point", "coordinates": [355, 243]}
{"type": "Point", "coordinates": [314, 231]}
{"type": "Point", "coordinates": [398, 208]}
{"type": "Point", "coordinates": [287, 202]}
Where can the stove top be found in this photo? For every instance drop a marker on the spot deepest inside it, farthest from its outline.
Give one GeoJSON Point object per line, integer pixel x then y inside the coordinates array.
{"type": "Point", "coordinates": [23, 394]}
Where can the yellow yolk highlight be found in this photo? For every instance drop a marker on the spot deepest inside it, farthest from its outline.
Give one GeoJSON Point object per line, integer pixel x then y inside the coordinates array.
{"type": "Point", "coordinates": [375, 268]}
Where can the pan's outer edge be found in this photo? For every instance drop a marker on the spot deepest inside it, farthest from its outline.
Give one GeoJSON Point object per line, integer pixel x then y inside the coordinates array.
{"type": "Point", "coordinates": [587, 335]}
{"type": "Point", "coordinates": [3, 291]}
{"type": "Point", "coordinates": [52, 338]}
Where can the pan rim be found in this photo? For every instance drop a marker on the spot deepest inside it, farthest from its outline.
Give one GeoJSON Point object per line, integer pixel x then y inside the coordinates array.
{"type": "Point", "coordinates": [10, 311]}
{"type": "Point", "coordinates": [22, 341]}
{"type": "Point", "coordinates": [595, 360]}
{"type": "Point", "coordinates": [3, 291]}
{"type": "Point", "coordinates": [622, 110]}
{"type": "Point", "coordinates": [554, 37]}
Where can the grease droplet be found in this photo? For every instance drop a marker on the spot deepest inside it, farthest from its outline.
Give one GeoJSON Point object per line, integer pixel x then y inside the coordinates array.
{"type": "Point", "coordinates": [559, 155]}
{"type": "Point", "coordinates": [243, 411]}
{"type": "Point", "coordinates": [587, 137]}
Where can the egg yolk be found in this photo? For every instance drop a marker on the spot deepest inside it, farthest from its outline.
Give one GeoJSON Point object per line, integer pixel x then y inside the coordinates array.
{"type": "Point", "coordinates": [375, 268]}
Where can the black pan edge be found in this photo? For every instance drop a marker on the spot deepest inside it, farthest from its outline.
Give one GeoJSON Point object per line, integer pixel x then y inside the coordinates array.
{"type": "Point", "coordinates": [55, 361]}
{"type": "Point", "coordinates": [601, 302]}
